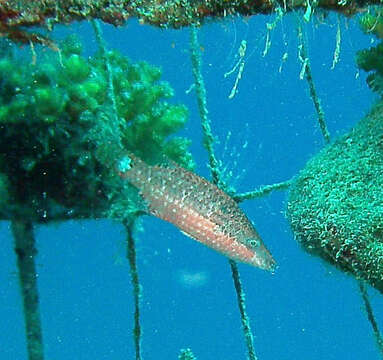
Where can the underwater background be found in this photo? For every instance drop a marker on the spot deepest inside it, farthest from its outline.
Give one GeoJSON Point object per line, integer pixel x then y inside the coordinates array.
{"type": "Point", "coordinates": [265, 134]}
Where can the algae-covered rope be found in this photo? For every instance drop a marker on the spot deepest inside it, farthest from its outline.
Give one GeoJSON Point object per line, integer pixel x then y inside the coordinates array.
{"type": "Point", "coordinates": [306, 72]}
{"type": "Point", "coordinates": [262, 191]}
{"type": "Point", "coordinates": [216, 175]}
{"type": "Point", "coordinates": [370, 316]}
{"type": "Point", "coordinates": [26, 252]}
{"type": "Point", "coordinates": [202, 106]}
{"type": "Point", "coordinates": [131, 256]}
{"type": "Point", "coordinates": [114, 124]}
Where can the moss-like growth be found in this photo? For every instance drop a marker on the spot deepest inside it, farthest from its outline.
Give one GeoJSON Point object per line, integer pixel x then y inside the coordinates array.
{"type": "Point", "coordinates": [370, 60]}
{"type": "Point", "coordinates": [371, 22]}
{"type": "Point", "coordinates": [186, 354]}
{"type": "Point", "coordinates": [335, 205]}
{"type": "Point", "coordinates": [60, 138]}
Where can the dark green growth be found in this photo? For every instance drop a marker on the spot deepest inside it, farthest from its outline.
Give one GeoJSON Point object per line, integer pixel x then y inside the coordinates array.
{"type": "Point", "coordinates": [370, 60]}
{"type": "Point", "coordinates": [58, 141]}
{"type": "Point", "coordinates": [335, 205]}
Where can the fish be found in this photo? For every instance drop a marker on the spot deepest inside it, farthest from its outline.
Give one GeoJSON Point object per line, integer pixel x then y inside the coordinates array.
{"type": "Point", "coordinates": [198, 208]}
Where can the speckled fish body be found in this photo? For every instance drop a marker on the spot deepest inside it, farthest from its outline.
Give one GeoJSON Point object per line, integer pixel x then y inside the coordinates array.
{"type": "Point", "coordinates": [199, 209]}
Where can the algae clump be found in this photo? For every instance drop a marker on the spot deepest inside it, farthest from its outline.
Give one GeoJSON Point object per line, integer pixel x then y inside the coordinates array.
{"type": "Point", "coordinates": [335, 205]}
{"type": "Point", "coordinates": [60, 139]}
{"type": "Point", "coordinates": [370, 59]}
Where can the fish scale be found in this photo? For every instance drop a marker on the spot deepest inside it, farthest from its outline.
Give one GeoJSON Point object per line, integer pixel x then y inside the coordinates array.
{"type": "Point", "coordinates": [198, 208]}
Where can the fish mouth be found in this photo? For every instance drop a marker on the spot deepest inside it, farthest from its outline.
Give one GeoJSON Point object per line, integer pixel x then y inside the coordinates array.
{"type": "Point", "coordinates": [261, 256]}
{"type": "Point", "coordinates": [263, 259]}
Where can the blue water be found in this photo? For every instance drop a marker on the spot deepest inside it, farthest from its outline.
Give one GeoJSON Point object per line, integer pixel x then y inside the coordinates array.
{"type": "Point", "coordinates": [306, 310]}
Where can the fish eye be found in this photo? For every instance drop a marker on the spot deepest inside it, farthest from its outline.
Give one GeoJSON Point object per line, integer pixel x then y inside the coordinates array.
{"type": "Point", "coordinates": [253, 242]}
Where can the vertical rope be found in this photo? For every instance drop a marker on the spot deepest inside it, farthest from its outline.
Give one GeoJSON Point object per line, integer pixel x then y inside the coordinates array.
{"type": "Point", "coordinates": [25, 250]}
{"type": "Point", "coordinates": [209, 145]}
{"type": "Point", "coordinates": [249, 339]}
{"type": "Point", "coordinates": [131, 256]}
{"type": "Point", "coordinates": [306, 72]}
{"type": "Point", "coordinates": [114, 124]}
{"type": "Point", "coordinates": [370, 316]}
{"type": "Point", "coordinates": [202, 106]}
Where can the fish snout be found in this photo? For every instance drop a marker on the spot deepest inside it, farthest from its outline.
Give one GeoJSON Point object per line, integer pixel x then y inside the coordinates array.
{"type": "Point", "coordinates": [263, 259]}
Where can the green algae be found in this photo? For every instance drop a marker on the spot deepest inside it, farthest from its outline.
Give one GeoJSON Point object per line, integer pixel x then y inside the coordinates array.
{"type": "Point", "coordinates": [370, 59]}
{"type": "Point", "coordinates": [186, 354]}
{"type": "Point", "coordinates": [59, 144]}
{"type": "Point", "coordinates": [335, 204]}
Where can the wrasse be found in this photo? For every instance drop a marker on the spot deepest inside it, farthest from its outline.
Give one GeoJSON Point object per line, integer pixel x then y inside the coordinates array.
{"type": "Point", "coordinates": [198, 208]}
